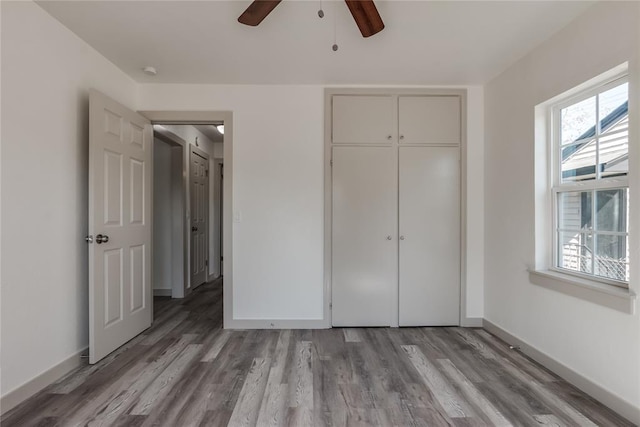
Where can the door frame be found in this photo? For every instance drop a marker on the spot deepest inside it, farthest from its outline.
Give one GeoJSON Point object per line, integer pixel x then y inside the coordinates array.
{"type": "Point", "coordinates": [218, 206]}
{"type": "Point", "coordinates": [328, 208]}
{"type": "Point", "coordinates": [209, 117]}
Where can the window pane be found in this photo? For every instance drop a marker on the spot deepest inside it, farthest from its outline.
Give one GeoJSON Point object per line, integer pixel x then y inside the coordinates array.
{"type": "Point", "coordinates": [579, 161]}
{"type": "Point", "coordinates": [614, 150]}
{"type": "Point", "coordinates": [612, 257]}
{"type": "Point", "coordinates": [613, 104]}
{"type": "Point", "coordinates": [612, 210]}
{"type": "Point", "coordinates": [574, 211]}
{"type": "Point", "coordinates": [577, 120]}
{"type": "Point", "coordinates": [575, 251]}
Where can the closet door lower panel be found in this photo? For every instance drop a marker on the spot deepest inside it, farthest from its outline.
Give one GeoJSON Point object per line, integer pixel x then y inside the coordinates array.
{"type": "Point", "coordinates": [429, 258]}
{"type": "Point", "coordinates": [364, 259]}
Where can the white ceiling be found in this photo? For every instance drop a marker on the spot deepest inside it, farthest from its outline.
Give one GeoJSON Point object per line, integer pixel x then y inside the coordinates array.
{"type": "Point", "coordinates": [424, 42]}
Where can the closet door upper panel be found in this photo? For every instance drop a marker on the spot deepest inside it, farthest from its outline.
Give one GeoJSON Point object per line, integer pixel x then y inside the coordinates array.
{"type": "Point", "coordinates": [363, 119]}
{"type": "Point", "coordinates": [429, 119]}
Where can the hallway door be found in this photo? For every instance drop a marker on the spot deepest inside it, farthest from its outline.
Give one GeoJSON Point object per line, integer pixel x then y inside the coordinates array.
{"type": "Point", "coordinates": [199, 181]}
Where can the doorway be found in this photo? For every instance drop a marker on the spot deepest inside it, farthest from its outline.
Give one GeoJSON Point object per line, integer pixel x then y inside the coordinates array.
{"type": "Point", "coordinates": [186, 234]}
{"type": "Point", "coordinates": [224, 151]}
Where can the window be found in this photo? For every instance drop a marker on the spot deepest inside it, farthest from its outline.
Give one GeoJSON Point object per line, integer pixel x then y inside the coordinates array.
{"type": "Point", "coordinates": [590, 135]}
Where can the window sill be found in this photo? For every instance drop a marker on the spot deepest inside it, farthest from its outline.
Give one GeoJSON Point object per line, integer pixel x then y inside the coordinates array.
{"type": "Point", "coordinates": [620, 299]}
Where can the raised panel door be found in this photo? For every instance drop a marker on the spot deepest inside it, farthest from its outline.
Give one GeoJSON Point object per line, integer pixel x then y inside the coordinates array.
{"type": "Point", "coordinates": [120, 305]}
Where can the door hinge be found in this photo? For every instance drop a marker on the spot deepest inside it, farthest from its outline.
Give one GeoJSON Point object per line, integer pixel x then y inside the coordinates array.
{"type": "Point", "coordinates": [206, 172]}
{"type": "Point", "coordinates": [330, 306]}
{"type": "Point", "coordinates": [206, 262]}
{"type": "Point", "coordinates": [331, 162]}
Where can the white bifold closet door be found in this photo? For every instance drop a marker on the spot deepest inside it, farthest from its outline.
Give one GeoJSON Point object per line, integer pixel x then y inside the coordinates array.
{"type": "Point", "coordinates": [364, 239]}
{"type": "Point", "coordinates": [429, 228]}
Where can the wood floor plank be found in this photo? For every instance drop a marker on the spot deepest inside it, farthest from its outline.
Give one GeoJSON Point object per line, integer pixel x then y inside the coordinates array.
{"type": "Point", "coordinates": [165, 329]}
{"type": "Point", "coordinates": [549, 397]}
{"type": "Point", "coordinates": [351, 335]}
{"type": "Point", "coordinates": [273, 405]}
{"type": "Point", "coordinates": [245, 412]}
{"type": "Point", "coordinates": [161, 385]}
{"type": "Point", "coordinates": [548, 420]}
{"type": "Point", "coordinates": [474, 396]}
{"type": "Point", "coordinates": [523, 363]}
{"type": "Point", "coordinates": [218, 344]}
{"type": "Point", "coordinates": [452, 403]}
{"type": "Point", "coordinates": [187, 371]}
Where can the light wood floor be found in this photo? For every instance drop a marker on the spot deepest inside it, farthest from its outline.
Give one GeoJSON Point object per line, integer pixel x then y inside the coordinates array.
{"type": "Point", "coordinates": [187, 371]}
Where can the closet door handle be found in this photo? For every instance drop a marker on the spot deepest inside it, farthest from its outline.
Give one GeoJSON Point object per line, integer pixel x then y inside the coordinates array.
{"type": "Point", "coordinates": [401, 237]}
{"type": "Point", "coordinates": [389, 137]}
{"type": "Point", "coordinates": [389, 237]}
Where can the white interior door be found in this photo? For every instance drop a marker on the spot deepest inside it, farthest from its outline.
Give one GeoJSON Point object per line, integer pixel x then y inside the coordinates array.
{"type": "Point", "coordinates": [120, 168]}
{"type": "Point", "coordinates": [429, 209]}
{"type": "Point", "coordinates": [199, 179]}
{"type": "Point", "coordinates": [364, 224]}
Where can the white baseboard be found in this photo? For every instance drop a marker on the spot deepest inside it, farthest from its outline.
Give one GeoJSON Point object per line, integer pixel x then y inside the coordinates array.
{"type": "Point", "coordinates": [36, 384]}
{"type": "Point", "coordinates": [604, 396]}
{"type": "Point", "coordinates": [276, 324]}
{"type": "Point", "coordinates": [162, 292]}
{"type": "Point", "coordinates": [472, 322]}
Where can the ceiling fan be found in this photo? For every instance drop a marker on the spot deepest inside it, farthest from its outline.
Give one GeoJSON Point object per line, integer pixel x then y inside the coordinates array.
{"type": "Point", "coordinates": [364, 12]}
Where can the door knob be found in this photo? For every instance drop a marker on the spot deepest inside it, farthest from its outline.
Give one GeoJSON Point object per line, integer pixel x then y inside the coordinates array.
{"type": "Point", "coordinates": [89, 239]}
{"type": "Point", "coordinates": [401, 237]}
{"type": "Point", "coordinates": [389, 237]}
{"type": "Point", "coordinates": [401, 136]}
{"type": "Point", "coordinates": [194, 228]}
{"type": "Point", "coordinates": [102, 238]}
{"type": "Point", "coordinates": [389, 137]}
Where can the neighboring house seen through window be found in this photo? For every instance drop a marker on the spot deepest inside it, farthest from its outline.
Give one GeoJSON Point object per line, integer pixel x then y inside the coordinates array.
{"type": "Point", "coordinates": [590, 134]}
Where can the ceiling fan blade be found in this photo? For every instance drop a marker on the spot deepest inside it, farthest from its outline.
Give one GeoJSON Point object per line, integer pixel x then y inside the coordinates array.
{"type": "Point", "coordinates": [366, 16]}
{"type": "Point", "coordinates": [257, 11]}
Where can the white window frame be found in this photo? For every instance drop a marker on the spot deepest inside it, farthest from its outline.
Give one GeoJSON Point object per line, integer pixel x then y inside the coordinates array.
{"type": "Point", "coordinates": [557, 186]}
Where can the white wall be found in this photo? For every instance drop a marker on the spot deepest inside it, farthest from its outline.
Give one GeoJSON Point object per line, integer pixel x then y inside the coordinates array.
{"type": "Point", "coordinates": [46, 74]}
{"type": "Point", "coordinates": [278, 191]}
{"type": "Point", "coordinates": [162, 217]}
{"type": "Point", "coordinates": [601, 344]}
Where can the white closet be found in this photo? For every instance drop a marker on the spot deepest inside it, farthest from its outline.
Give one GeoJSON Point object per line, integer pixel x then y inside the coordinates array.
{"type": "Point", "coordinates": [395, 209]}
